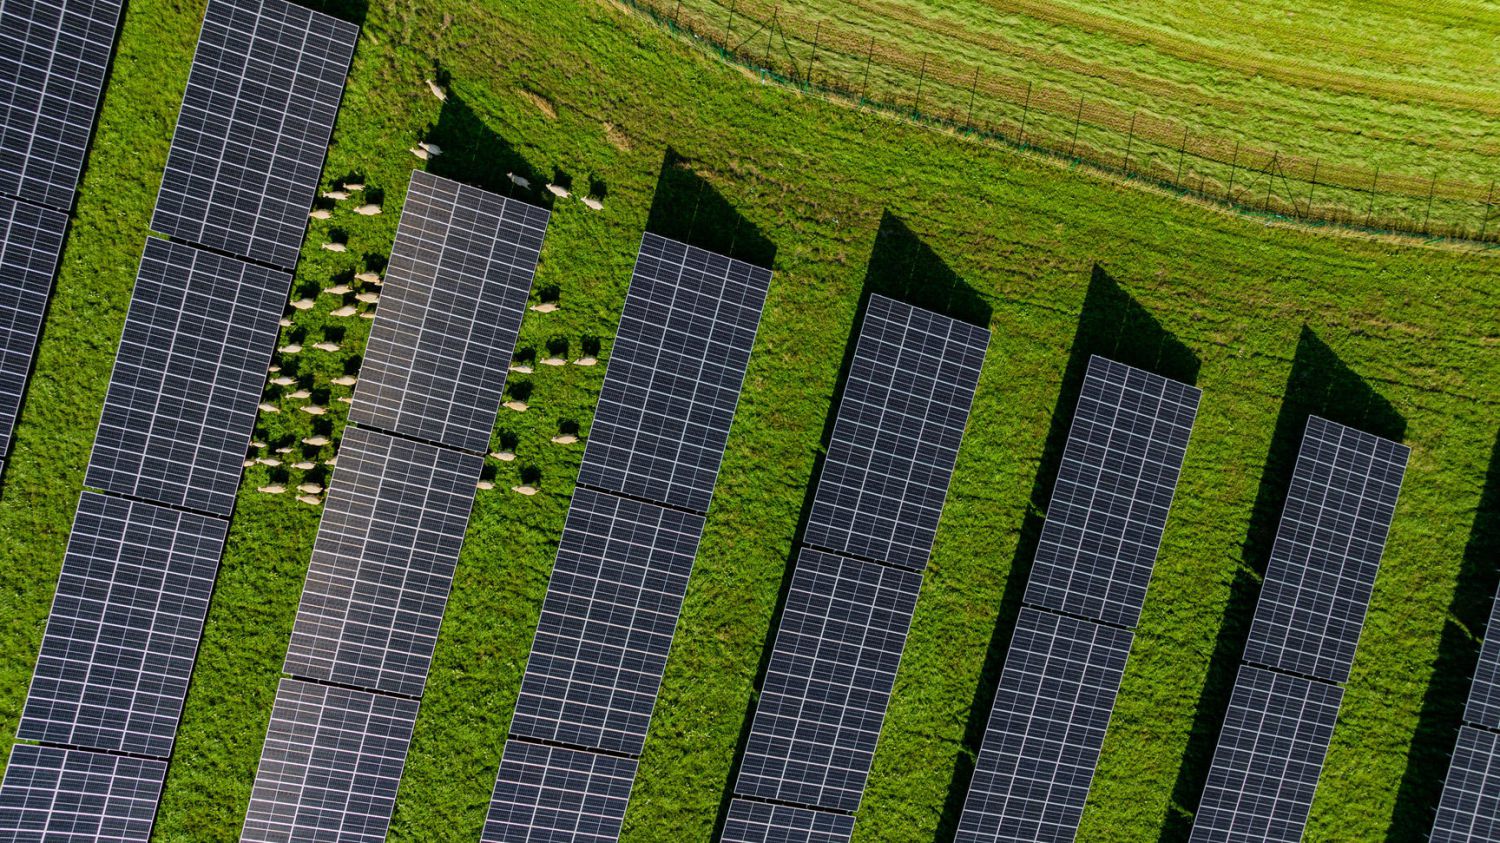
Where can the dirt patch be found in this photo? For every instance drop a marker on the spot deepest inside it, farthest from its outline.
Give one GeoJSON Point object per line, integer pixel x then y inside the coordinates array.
{"type": "Point", "coordinates": [542, 104]}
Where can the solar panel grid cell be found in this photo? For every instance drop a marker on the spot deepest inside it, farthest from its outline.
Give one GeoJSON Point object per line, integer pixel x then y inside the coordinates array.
{"type": "Point", "coordinates": [383, 562]}
{"type": "Point", "coordinates": [1327, 551]}
{"type": "Point", "coordinates": [53, 795]}
{"type": "Point", "coordinates": [548, 794]}
{"type": "Point", "coordinates": [606, 627]}
{"type": "Point", "coordinates": [1031, 779]}
{"type": "Point", "coordinates": [54, 56]}
{"type": "Point", "coordinates": [31, 241]}
{"type": "Point", "coordinates": [1114, 489]}
{"type": "Point", "coordinates": [762, 822]}
{"type": "Point", "coordinates": [1484, 696]}
{"type": "Point", "coordinates": [189, 372]}
{"type": "Point", "coordinates": [455, 290]}
{"type": "Point", "coordinates": [120, 642]}
{"type": "Point", "coordinates": [330, 765]}
{"type": "Point", "coordinates": [254, 127]}
{"type": "Point", "coordinates": [674, 375]}
{"type": "Point", "coordinates": [896, 435]}
{"type": "Point", "coordinates": [1469, 810]}
{"type": "Point", "coordinates": [828, 682]}
{"type": "Point", "coordinates": [1271, 748]}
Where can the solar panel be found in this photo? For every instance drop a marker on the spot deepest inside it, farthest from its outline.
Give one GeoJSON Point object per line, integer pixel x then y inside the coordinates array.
{"type": "Point", "coordinates": [606, 628]}
{"type": "Point", "coordinates": [1265, 769]}
{"type": "Point", "coordinates": [330, 765]}
{"type": "Point", "coordinates": [548, 794]}
{"type": "Point", "coordinates": [53, 795]}
{"type": "Point", "coordinates": [1327, 551]}
{"type": "Point", "coordinates": [188, 375]}
{"type": "Point", "coordinates": [1484, 697]}
{"type": "Point", "coordinates": [828, 682]}
{"type": "Point", "coordinates": [1114, 487]}
{"type": "Point", "coordinates": [120, 642]}
{"type": "Point", "coordinates": [896, 436]}
{"type": "Point", "coordinates": [31, 241]}
{"type": "Point", "coordinates": [762, 822]}
{"type": "Point", "coordinates": [254, 128]}
{"type": "Point", "coordinates": [382, 565]}
{"type": "Point", "coordinates": [1469, 811]}
{"type": "Point", "coordinates": [674, 374]}
{"type": "Point", "coordinates": [54, 56]}
{"type": "Point", "coordinates": [454, 293]}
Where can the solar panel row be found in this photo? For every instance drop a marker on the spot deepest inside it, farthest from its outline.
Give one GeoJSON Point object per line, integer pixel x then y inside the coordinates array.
{"type": "Point", "coordinates": [31, 240]}
{"type": "Point", "coordinates": [1317, 587]}
{"type": "Point", "coordinates": [54, 795]}
{"type": "Point", "coordinates": [763, 822]}
{"type": "Point", "coordinates": [622, 565]}
{"type": "Point", "coordinates": [1094, 558]}
{"type": "Point", "coordinates": [854, 586]}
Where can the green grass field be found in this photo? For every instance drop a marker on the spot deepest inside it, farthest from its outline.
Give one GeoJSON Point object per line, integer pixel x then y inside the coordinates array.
{"type": "Point", "coordinates": [1389, 336]}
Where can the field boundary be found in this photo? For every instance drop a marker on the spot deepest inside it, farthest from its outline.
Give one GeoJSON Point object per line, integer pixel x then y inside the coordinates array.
{"type": "Point", "coordinates": [780, 47]}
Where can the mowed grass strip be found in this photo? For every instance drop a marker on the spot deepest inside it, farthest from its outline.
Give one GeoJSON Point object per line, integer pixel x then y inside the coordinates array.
{"type": "Point", "coordinates": [586, 91]}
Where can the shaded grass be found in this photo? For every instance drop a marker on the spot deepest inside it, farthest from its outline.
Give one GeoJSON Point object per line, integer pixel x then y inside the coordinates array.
{"type": "Point", "coordinates": [580, 90]}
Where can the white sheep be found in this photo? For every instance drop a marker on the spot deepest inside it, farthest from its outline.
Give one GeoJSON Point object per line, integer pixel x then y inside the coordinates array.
{"type": "Point", "coordinates": [338, 290]}
{"type": "Point", "coordinates": [320, 213]}
{"type": "Point", "coordinates": [346, 380]}
{"type": "Point", "coordinates": [419, 152]}
{"type": "Point", "coordinates": [267, 408]}
{"type": "Point", "coordinates": [592, 203]}
{"type": "Point", "coordinates": [305, 465]}
{"type": "Point", "coordinates": [313, 409]}
{"type": "Point", "coordinates": [437, 90]}
{"type": "Point", "coordinates": [290, 348]}
{"type": "Point", "coordinates": [310, 500]}
{"type": "Point", "coordinates": [316, 441]}
{"type": "Point", "coordinates": [345, 311]}
{"type": "Point", "coordinates": [518, 406]}
{"type": "Point", "coordinates": [283, 381]}
{"type": "Point", "coordinates": [524, 490]}
{"type": "Point", "coordinates": [559, 191]}
{"type": "Point", "coordinates": [564, 439]}
{"type": "Point", "coordinates": [519, 181]}
{"type": "Point", "coordinates": [273, 489]}
{"type": "Point", "coordinates": [310, 488]}
{"type": "Point", "coordinates": [368, 278]}
{"type": "Point", "coordinates": [336, 195]}
{"type": "Point", "coordinates": [503, 456]}
{"type": "Point", "coordinates": [368, 210]}
{"type": "Point", "coordinates": [367, 298]}
{"type": "Point", "coordinates": [520, 368]}
{"type": "Point", "coordinates": [299, 394]}
{"type": "Point", "coordinates": [545, 307]}
{"type": "Point", "coordinates": [586, 361]}
{"type": "Point", "coordinates": [302, 304]}
{"type": "Point", "coordinates": [431, 148]}
{"type": "Point", "coordinates": [326, 346]}
{"type": "Point", "coordinates": [335, 246]}
{"type": "Point", "coordinates": [485, 485]}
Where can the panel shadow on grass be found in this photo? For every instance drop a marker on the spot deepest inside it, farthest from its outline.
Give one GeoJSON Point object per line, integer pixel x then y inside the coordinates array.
{"type": "Point", "coordinates": [688, 209]}
{"type": "Point", "coordinates": [1453, 669]}
{"type": "Point", "coordinates": [353, 11]}
{"type": "Point", "coordinates": [1111, 324]}
{"type": "Point", "coordinates": [902, 267]}
{"type": "Point", "coordinates": [1319, 384]}
{"type": "Point", "coordinates": [475, 154]}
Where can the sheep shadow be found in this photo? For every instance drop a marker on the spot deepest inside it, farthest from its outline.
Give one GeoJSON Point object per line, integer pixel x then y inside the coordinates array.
{"type": "Point", "coordinates": [1111, 324]}
{"type": "Point", "coordinates": [1442, 712]}
{"type": "Point", "coordinates": [475, 154]}
{"type": "Point", "coordinates": [686, 208]}
{"type": "Point", "coordinates": [903, 267]}
{"type": "Point", "coordinates": [1319, 384]}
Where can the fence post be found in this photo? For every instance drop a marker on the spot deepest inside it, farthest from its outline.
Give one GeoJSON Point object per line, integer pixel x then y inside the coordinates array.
{"type": "Point", "coordinates": [1312, 186]}
{"type": "Point", "coordinates": [1180, 150]}
{"type": "Point", "coordinates": [921, 77]}
{"type": "Point", "coordinates": [1427, 216]}
{"type": "Point", "coordinates": [1271, 179]}
{"type": "Point", "coordinates": [1484, 223]}
{"type": "Point", "coordinates": [729, 29]}
{"type": "Point", "coordinates": [1130, 142]}
{"type": "Point", "coordinates": [973, 86]}
{"type": "Point", "coordinates": [1233, 167]}
{"type": "Point", "coordinates": [1078, 117]}
{"type": "Point", "coordinates": [814, 60]}
{"type": "Point", "coordinates": [675, 12]}
{"type": "Point", "coordinates": [1374, 183]}
{"type": "Point", "coordinates": [865, 86]}
{"type": "Point", "coordinates": [1025, 112]}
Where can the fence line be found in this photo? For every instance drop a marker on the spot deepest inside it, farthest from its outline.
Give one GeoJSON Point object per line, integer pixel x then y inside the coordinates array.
{"type": "Point", "coordinates": [770, 39]}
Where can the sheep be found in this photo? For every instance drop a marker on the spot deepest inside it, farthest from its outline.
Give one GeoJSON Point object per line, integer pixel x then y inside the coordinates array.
{"type": "Point", "coordinates": [559, 191]}
{"type": "Point", "coordinates": [545, 307]}
{"type": "Point", "coordinates": [303, 304]}
{"type": "Point", "coordinates": [273, 489]}
{"type": "Point", "coordinates": [336, 195]}
{"type": "Point", "coordinates": [283, 381]}
{"type": "Point", "coordinates": [316, 441]}
{"type": "Point", "coordinates": [345, 311]}
{"type": "Point", "coordinates": [485, 485]}
{"type": "Point", "coordinates": [284, 450]}
{"type": "Point", "coordinates": [519, 181]}
{"type": "Point", "coordinates": [326, 346]}
{"type": "Point", "coordinates": [431, 148]}
{"type": "Point", "coordinates": [331, 462]}
{"type": "Point", "coordinates": [564, 439]}
{"type": "Point", "coordinates": [320, 213]}
{"type": "Point", "coordinates": [354, 186]}
{"type": "Point", "coordinates": [592, 204]}
{"type": "Point", "coordinates": [346, 380]}
{"type": "Point", "coordinates": [335, 246]}
{"type": "Point", "coordinates": [247, 463]}
{"type": "Point", "coordinates": [313, 410]}
{"type": "Point", "coordinates": [290, 348]}
{"type": "Point", "coordinates": [518, 406]}
{"type": "Point", "coordinates": [419, 152]}
{"type": "Point", "coordinates": [299, 394]}
{"type": "Point", "coordinates": [344, 399]}
{"type": "Point", "coordinates": [270, 462]}
{"type": "Point", "coordinates": [305, 465]}
{"type": "Point", "coordinates": [503, 456]}
{"type": "Point", "coordinates": [524, 490]}
{"type": "Point", "coordinates": [310, 488]}
{"type": "Point", "coordinates": [368, 298]}
{"type": "Point", "coordinates": [285, 322]}
{"type": "Point", "coordinates": [338, 290]}
{"type": "Point", "coordinates": [310, 500]}
{"type": "Point", "coordinates": [553, 361]}
{"type": "Point", "coordinates": [256, 443]}
{"type": "Point", "coordinates": [265, 407]}
{"type": "Point", "coordinates": [273, 368]}
{"type": "Point", "coordinates": [437, 90]}
{"type": "Point", "coordinates": [368, 210]}
{"type": "Point", "coordinates": [586, 361]}
{"type": "Point", "coordinates": [368, 314]}
{"type": "Point", "coordinates": [368, 278]}
{"type": "Point", "coordinates": [520, 368]}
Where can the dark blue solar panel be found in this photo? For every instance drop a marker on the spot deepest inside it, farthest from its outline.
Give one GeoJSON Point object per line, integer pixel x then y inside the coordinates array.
{"type": "Point", "coordinates": [31, 241]}
{"type": "Point", "coordinates": [550, 794]}
{"type": "Point", "coordinates": [53, 795]}
{"type": "Point", "coordinates": [1469, 811]}
{"type": "Point", "coordinates": [762, 822]}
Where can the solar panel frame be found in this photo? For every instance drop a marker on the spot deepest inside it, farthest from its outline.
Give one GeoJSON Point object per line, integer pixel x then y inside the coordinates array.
{"type": "Point", "coordinates": [1327, 551]}
{"type": "Point", "coordinates": [829, 681]}
{"type": "Point", "coordinates": [1046, 729]}
{"type": "Point", "coordinates": [674, 376]}
{"type": "Point", "coordinates": [1270, 754]}
{"type": "Point", "coordinates": [123, 632]}
{"type": "Point", "coordinates": [558, 795]}
{"type": "Point", "coordinates": [54, 795]}
{"type": "Point", "coordinates": [763, 822]}
{"type": "Point", "coordinates": [607, 623]}
{"type": "Point", "coordinates": [1483, 707]}
{"type": "Point", "coordinates": [1114, 490]}
{"type": "Point", "coordinates": [54, 58]}
{"type": "Point", "coordinates": [1469, 809]}
{"type": "Point", "coordinates": [896, 434]}
{"type": "Point", "coordinates": [450, 311]}
{"type": "Point", "coordinates": [256, 118]}
{"type": "Point", "coordinates": [31, 241]}
{"type": "Point", "coordinates": [330, 765]}
{"type": "Point", "coordinates": [188, 375]}
{"type": "Point", "coordinates": [382, 564]}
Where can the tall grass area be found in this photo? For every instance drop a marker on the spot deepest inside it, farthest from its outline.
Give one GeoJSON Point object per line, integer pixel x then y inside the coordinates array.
{"type": "Point", "coordinates": [584, 90]}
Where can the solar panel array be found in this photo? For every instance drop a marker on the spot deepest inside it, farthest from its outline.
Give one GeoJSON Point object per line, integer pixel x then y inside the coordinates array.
{"type": "Point", "coordinates": [54, 795]}
{"type": "Point", "coordinates": [457, 282]}
{"type": "Point", "coordinates": [254, 127]}
{"type": "Point", "coordinates": [1469, 810]}
{"type": "Point", "coordinates": [31, 240]}
{"type": "Point", "coordinates": [854, 586]}
{"type": "Point", "coordinates": [189, 373]}
{"type": "Point", "coordinates": [1317, 586]}
{"type": "Point", "coordinates": [330, 765]}
{"type": "Point", "coordinates": [394, 520]}
{"type": "Point", "coordinates": [763, 822]}
{"type": "Point", "coordinates": [54, 56]}
{"type": "Point", "coordinates": [1327, 552]}
{"type": "Point", "coordinates": [1094, 558]}
{"type": "Point", "coordinates": [674, 375]}
{"type": "Point", "coordinates": [1483, 708]}
{"type": "Point", "coordinates": [627, 548]}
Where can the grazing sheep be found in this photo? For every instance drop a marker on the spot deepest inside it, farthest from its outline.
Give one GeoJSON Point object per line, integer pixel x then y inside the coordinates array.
{"type": "Point", "coordinates": [344, 399]}
{"type": "Point", "coordinates": [316, 441]}
{"type": "Point", "coordinates": [268, 461]}
{"type": "Point", "coordinates": [484, 484]}
{"type": "Point", "coordinates": [586, 361]}
{"type": "Point", "coordinates": [368, 314]}
{"type": "Point", "coordinates": [331, 462]}
{"type": "Point", "coordinates": [290, 348]}
{"type": "Point", "coordinates": [326, 346]}
{"type": "Point", "coordinates": [545, 307]}
{"type": "Point", "coordinates": [284, 450]}
{"type": "Point", "coordinates": [310, 500]}
{"type": "Point", "coordinates": [503, 456]}
{"type": "Point", "coordinates": [285, 322]}
{"type": "Point", "coordinates": [303, 304]}
{"type": "Point", "coordinates": [335, 247]}
{"type": "Point", "coordinates": [299, 394]}
{"type": "Point", "coordinates": [368, 278]}
{"type": "Point", "coordinates": [338, 290]}
{"type": "Point", "coordinates": [437, 90]}
{"type": "Point", "coordinates": [283, 381]}
{"type": "Point", "coordinates": [419, 152]}
{"type": "Point", "coordinates": [345, 311]}
{"type": "Point", "coordinates": [256, 443]}
{"type": "Point", "coordinates": [559, 191]}
{"type": "Point", "coordinates": [432, 149]}
{"type": "Point", "coordinates": [520, 368]}
{"type": "Point", "coordinates": [354, 186]}
{"type": "Point", "coordinates": [273, 489]}
{"type": "Point", "coordinates": [273, 368]}
{"type": "Point", "coordinates": [305, 465]}
{"type": "Point", "coordinates": [320, 213]}
{"type": "Point", "coordinates": [267, 408]}
{"type": "Point", "coordinates": [247, 463]}
{"type": "Point", "coordinates": [592, 203]}
{"type": "Point", "coordinates": [524, 490]}
{"type": "Point", "coordinates": [564, 439]}
{"type": "Point", "coordinates": [553, 361]}
{"type": "Point", "coordinates": [368, 210]}
{"type": "Point", "coordinates": [336, 195]}
{"type": "Point", "coordinates": [310, 488]}
{"type": "Point", "coordinates": [313, 410]}
{"type": "Point", "coordinates": [368, 298]}
{"type": "Point", "coordinates": [346, 380]}
{"type": "Point", "coordinates": [519, 181]}
{"type": "Point", "coordinates": [518, 406]}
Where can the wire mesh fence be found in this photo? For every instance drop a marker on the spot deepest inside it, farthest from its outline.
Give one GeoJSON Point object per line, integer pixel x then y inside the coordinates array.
{"type": "Point", "coordinates": [784, 46]}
